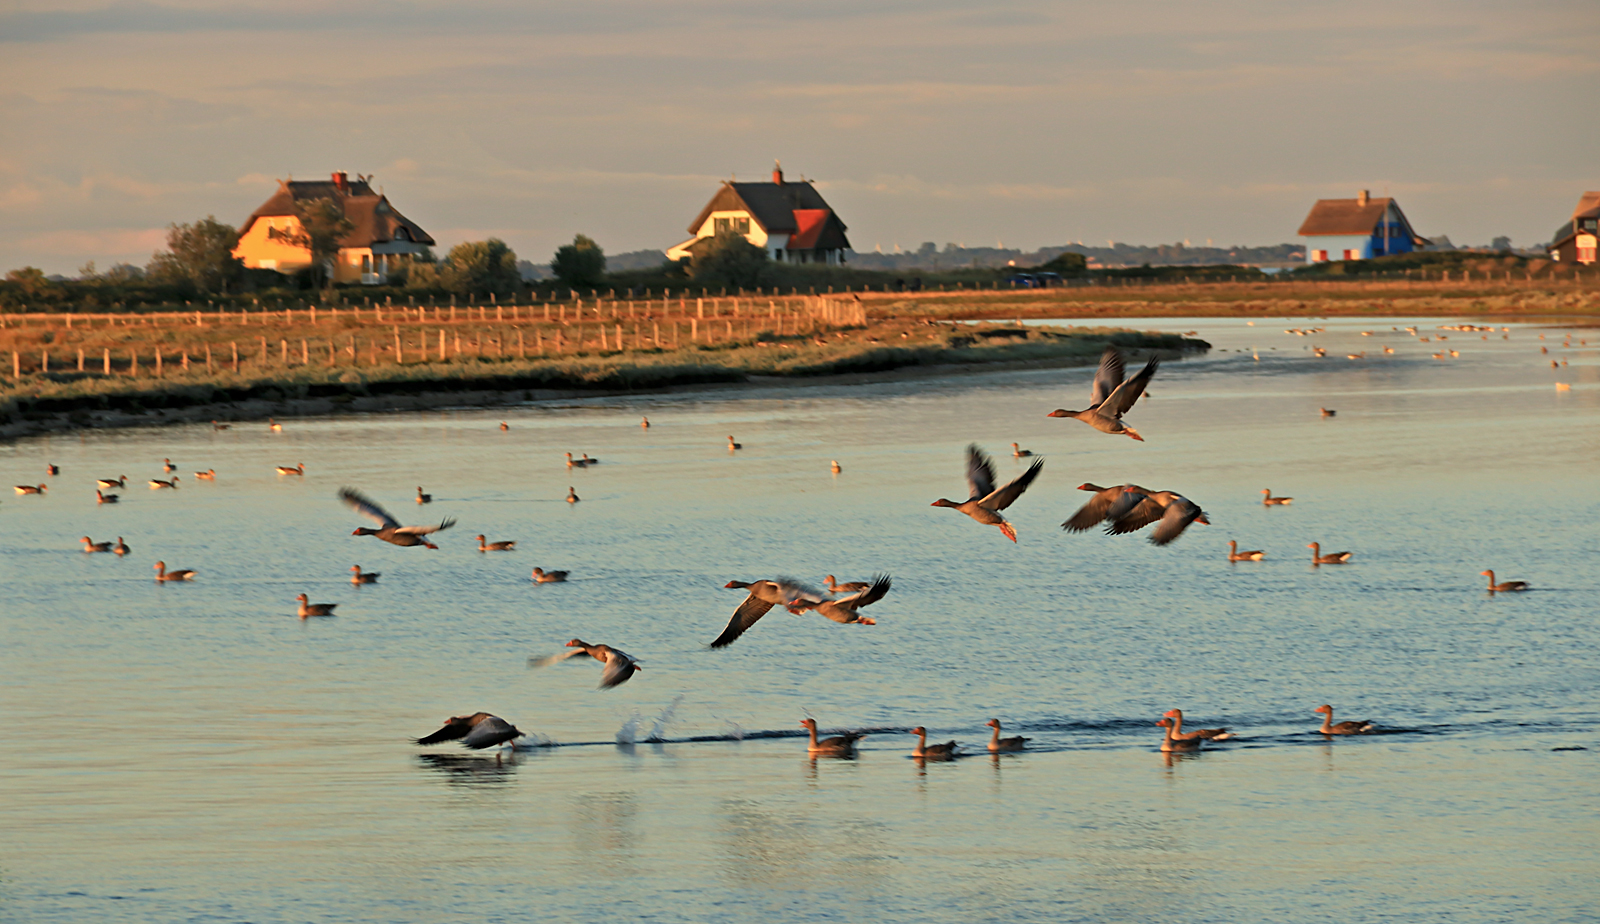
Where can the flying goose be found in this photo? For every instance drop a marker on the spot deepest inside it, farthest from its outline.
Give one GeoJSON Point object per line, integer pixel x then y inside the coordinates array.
{"type": "Point", "coordinates": [1100, 506]}
{"type": "Point", "coordinates": [1174, 511]}
{"type": "Point", "coordinates": [986, 501]}
{"type": "Point", "coordinates": [1111, 397]}
{"type": "Point", "coordinates": [389, 530]}
{"type": "Point", "coordinates": [477, 731]}
{"type": "Point", "coordinates": [763, 596]}
{"type": "Point", "coordinates": [619, 666]}
{"type": "Point", "coordinates": [844, 610]}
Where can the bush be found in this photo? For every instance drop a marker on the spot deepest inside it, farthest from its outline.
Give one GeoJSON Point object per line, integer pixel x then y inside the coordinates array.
{"type": "Point", "coordinates": [580, 264]}
{"type": "Point", "coordinates": [730, 260]}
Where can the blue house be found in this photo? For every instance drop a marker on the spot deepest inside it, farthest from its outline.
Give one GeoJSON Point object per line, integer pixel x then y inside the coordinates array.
{"type": "Point", "coordinates": [1357, 229]}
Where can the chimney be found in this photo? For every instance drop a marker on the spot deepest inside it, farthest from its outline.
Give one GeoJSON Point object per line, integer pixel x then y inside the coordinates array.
{"type": "Point", "coordinates": [1361, 198]}
{"type": "Point", "coordinates": [342, 181]}
{"type": "Point", "coordinates": [777, 172]}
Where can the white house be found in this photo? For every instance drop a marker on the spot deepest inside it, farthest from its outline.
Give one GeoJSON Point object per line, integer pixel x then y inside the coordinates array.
{"type": "Point", "coordinates": [790, 220]}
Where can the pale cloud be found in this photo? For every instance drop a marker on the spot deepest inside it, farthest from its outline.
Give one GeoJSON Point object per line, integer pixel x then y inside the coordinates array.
{"type": "Point", "coordinates": [116, 241]}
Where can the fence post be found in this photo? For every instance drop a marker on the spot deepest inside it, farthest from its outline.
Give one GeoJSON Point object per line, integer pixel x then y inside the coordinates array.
{"type": "Point", "coordinates": [16, 365]}
{"type": "Point", "coordinates": [305, 351]}
{"type": "Point", "coordinates": [106, 358]}
{"type": "Point", "coordinates": [80, 359]}
{"type": "Point", "coordinates": [158, 362]}
{"type": "Point", "coordinates": [399, 348]}
{"type": "Point", "coordinates": [235, 345]}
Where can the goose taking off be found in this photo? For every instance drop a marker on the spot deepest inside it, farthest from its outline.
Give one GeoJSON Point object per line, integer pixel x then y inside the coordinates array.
{"type": "Point", "coordinates": [985, 501]}
{"type": "Point", "coordinates": [1332, 558]}
{"type": "Point", "coordinates": [91, 546]}
{"type": "Point", "coordinates": [163, 575]}
{"type": "Point", "coordinates": [506, 546]}
{"type": "Point", "coordinates": [314, 609]}
{"type": "Point", "coordinates": [1268, 500]}
{"type": "Point", "coordinates": [1207, 734]}
{"type": "Point", "coordinates": [1100, 506]}
{"type": "Point", "coordinates": [838, 746]}
{"type": "Point", "coordinates": [1507, 587]}
{"type": "Point", "coordinates": [763, 596]}
{"type": "Point", "coordinates": [1111, 397]}
{"type": "Point", "coordinates": [998, 744]}
{"type": "Point", "coordinates": [1235, 555]}
{"type": "Point", "coordinates": [541, 576]}
{"type": "Point", "coordinates": [844, 610]}
{"type": "Point", "coordinates": [357, 576]}
{"type": "Point", "coordinates": [1174, 511]}
{"type": "Point", "coordinates": [618, 665]}
{"type": "Point", "coordinates": [389, 530]}
{"type": "Point", "coordinates": [1342, 728]}
{"type": "Point", "coordinates": [926, 751]}
{"type": "Point", "coordinates": [477, 731]}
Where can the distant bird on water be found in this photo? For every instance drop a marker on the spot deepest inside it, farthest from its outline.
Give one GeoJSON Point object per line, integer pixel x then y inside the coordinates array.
{"type": "Point", "coordinates": [209, 474]}
{"type": "Point", "coordinates": [1268, 500]}
{"type": "Point", "coordinates": [926, 751]}
{"type": "Point", "coordinates": [157, 484]}
{"type": "Point", "coordinates": [1170, 743]}
{"type": "Point", "coordinates": [838, 746]}
{"type": "Point", "coordinates": [100, 497]}
{"type": "Point", "coordinates": [167, 466]}
{"type": "Point", "coordinates": [1332, 558]}
{"type": "Point", "coordinates": [507, 546]}
{"type": "Point", "coordinates": [314, 609]}
{"type": "Point", "coordinates": [1342, 728]}
{"type": "Point", "coordinates": [1507, 587]}
{"type": "Point", "coordinates": [52, 469]}
{"type": "Point", "coordinates": [121, 548]}
{"type": "Point", "coordinates": [1208, 734]}
{"type": "Point", "coordinates": [644, 423]}
{"type": "Point", "coordinates": [221, 426]}
{"type": "Point", "coordinates": [541, 576]}
{"type": "Point", "coordinates": [1328, 412]}
{"type": "Point", "coordinates": [504, 425]}
{"type": "Point", "coordinates": [986, 501]}
{"type": "Point", "coordinates": [163, 575]}
{"type": "Point", "coordinates": [619, 666]}
{"type": "Point", "coordinates": [477, 731]}
{"type": "Point", "coordinates": [113, 482]}
{"type": "Point", "coordinates": [1017, 452]}
{"type": "Point", "coordinates": [732, 445]}
{"type": "Point", "coordinates": [389, 529]}
{"type": "Point", "coordinates": [572, 495]}
{"type": "Point", "coordinates": [835, 467]}
{"type": "Point", "coordinates": [29, 489]}
{"type": "Point", "coordinates": [357, 576]}
{"type": "Point", "coordinates": [295, 470]}
{"type": "Point", "coordinates": [92, 546]}
{"type": "Point", "coordinates": [423, 498]}
{"type": "Point", "coordinates": [1235, 555]}
{"type": "Point", "coordinates": [274, 426]}
{"type": "Point", "coordinates": [997, 743]}
{"type": "Point", "coordinates": [1111, 396]}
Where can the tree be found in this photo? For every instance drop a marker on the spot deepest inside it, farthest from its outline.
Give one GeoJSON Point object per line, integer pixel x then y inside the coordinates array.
{"type": "Point", "coordinates": [322, 227]}
{"type": "Point", "coordinates": [29, 280]}
{"type": "Point", "coordinates": [480, 267]}
{"type": "Point", "coordinates": [730, 260]}
{"type": "Point", "coordinates": [580, 263]}
{"type": "Point", "coordinates": [199, 255]}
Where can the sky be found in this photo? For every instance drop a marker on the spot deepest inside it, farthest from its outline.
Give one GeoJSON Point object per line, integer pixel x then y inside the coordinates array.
{"type": "Point", "coordinates": [1025, 124]}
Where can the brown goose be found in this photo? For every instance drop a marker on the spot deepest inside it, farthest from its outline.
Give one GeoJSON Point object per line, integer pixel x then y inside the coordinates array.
{"type": "Point", "coordinates": [1268, 500]}
{"type": "Point", "coordinates": [296, 470]}
{"type": "Point", "coordinates": [1342, 728]}
{"type": "Point", "coordinates": [389, 530]}
{"type": "Point", "coordinates": [1017, 452]}
{"type": "Point", "coordinates": [732, 445]}
{"type": "Point", "coordinates": [1235, 555]}
{"type": "Point", "coordinates": [619, 666]}
{"type": "Point", "coordinates": [221, 426]}
{"type": "Point", "coordinates": [986, 501]}
{"type": "Point", "coordinates": [357, 576]}
{"type": "Point", "coordinates": [849, 587]}
{"type": "Point", "coordinates": [541, 576]}
{"type": "Point", "coordinates": [52, 469]}
{"type": "Point", "coordinates": [504, 425]}
{"type": "Point", "coordinates": [29, 489]}
{"type": "Point", "coordinates": [644, 423]}
{"type": "Point", "coordinates": [1332, 558]}
{"type": "Point", "coordinates": [844, 610]}
{"type": "Point", "coordinates": [423, 498]}
{"type": "Point", "coordinates": [100, 497]}
{"type": "Point", "coordinates": [506, 546]}
{"type": "Point", "coordinates": [1174, 511]}
{"type": "Point", "coordinates": [1507, 587]}
{"type": "Point", "coordinates": [575, 463]}
{"type": "Point", "coordinates": [121, 548]}
{"type": "Point", "coordinates": [926, 751]}
{"type": "Point", "coordinates": [1330, 412]}
{"type": "Point", "coordinates": [1169, 743]}
{"type": "Point", "coordinates": [477, 731]}
{"type": "Point", "coordinates": [90, 545]}
{"type": "Point", "coordinates": [835, 467]}
{"type": "Point", "coordinates": [1100, 506]}
{"type": "Point", "coordinates": [838, 746]}
{"type": "Point", "coordinates": [1208, 734]}
{"type": "Point", "coordinates": [314, 609]}
{"type": "Point", "coordinates": [274, 426]}
{"type": "Point", "coordinates": [157, 484]}
{"type": "Point", "coordinates": [1111, 397]}
{"type": "Point", "coordinates": [997, 743]}
{"type": "Point", "coordinates": [763, 596]}
{"type": "Point", "coordinates": [572, 496]}
{"type": "Point", "coordinates": [163, 575]}
{"type": "Point", "coordinates": [209, 474]}
{"type": "Point", "coordinates": [167, 466]}
{"type": "Point", "coordinates": [113, 482]}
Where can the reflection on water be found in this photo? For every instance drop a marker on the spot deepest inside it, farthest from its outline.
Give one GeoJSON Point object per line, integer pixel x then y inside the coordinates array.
{"type": "Point", "coordinates": [201, 748]}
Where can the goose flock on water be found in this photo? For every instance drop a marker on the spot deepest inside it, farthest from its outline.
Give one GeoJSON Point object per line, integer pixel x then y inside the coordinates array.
{"type": "Point", "coordinates": [1120, 509]}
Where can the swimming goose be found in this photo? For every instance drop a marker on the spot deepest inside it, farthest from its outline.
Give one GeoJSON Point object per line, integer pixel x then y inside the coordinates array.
{"type": "Point", "coordinates": [113, 482]}
{"type": "Point", "coordinates": [986, 501]}
{"type": "Point", "coordinates": [423, 498]}
{"type": "Point", "coordinates": [997, 743]}
{"type": "Point", "coordinates": [619, 666]}
{"type": "Point", "coordinates": [273, 425]}
{"type": "Point", "coordinates": [162, 574]}
{"type": "Point", "coordinates": [1208, 734]}
{"type": "Point", "coordinates": [1169, 743]}
{"type": "Point", "coordinates": [575, 463]}
{"type": "Point", "coordinates": [541, 576]}
{"type": "Point", "coordinates": [121, 548]}
{"type": "Point", "coordinates": [504, 425]}
{"type": "Point", "coordinates": [572, 496]}
{"type": "Point", "coordinates": [52, 469]}
{"type": "Point", "coordinates": [1342, 728]}
{"type": "Point", "coordinates": [844, 610]}
{"type": "Point", "coordinates": [1328, 412]}
{"type": "Point", "coordinates": [91, 546]}
{"type": "Point", "coordinates": [1100, 506]}
{"type": "Point", "coordinates": [1332, 558]}
{"type": "Point", "coordinates": [848, 587]}
{"type": "Point", "coordinates": [157, 484]}
{"type": "Point", "coordinates": [357, 576]}
{"type": "Point", "coordinates": [1111, 397]}
{"type": "Point", "coordinates": [838, 746]}
{"type": "Point", "coordinates": [314, 609]}
{"type": "Point", "coordinates": [100, 497]}
{"type": "Point", "coordinates": [296, 470]}
{"type": "Point", "coordinates": [1174, 511]}
{"type": "Point", "coordinates": [763, 596]}
{"type": "Point", "coordinates": [1508, 586]}
{"type": "Point", "coordinates": [1235, 555]}
{"type": "Point", "coordinates": [477, 731]}
{"type": "Point", "coordinates": [209, 474]}
{"type": "Point", "coordinates": [834, 466]}
{"type": "Point", "coordinates": [927, 751]}
{"type": "Point", "coordinates": [495, 546]}
{"type": "Point", "coordinates": [221, 426]}
{"type": "Point", "coordinates": [29, 489]}
{"type": "Point", "coordinates": [167, 466]}
{"type": "Point", "coordinates": [732, 445]}
{"type": "Point", "coordinates": [1268, 500]}
{"type": "Point", "coordinates": [389, 530]}
{"type": "Point", "coordinates": [644, 423]}
{"type": "Point", "coordinates": [1017, 452]}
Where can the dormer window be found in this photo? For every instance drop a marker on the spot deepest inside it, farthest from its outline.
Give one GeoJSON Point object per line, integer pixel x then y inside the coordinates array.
{"type": "Point", "coordinates": [738, 225]}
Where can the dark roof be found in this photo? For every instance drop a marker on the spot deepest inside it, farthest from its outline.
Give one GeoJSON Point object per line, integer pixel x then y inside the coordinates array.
{"type": "Point", "coordinates": [1588, 207]}
{"type": "Point", "coordinates": [1352, 216]}
{"type": "Point", "coordinates": [375, 218]}
{"type": "Point", "coordinates": [772, 205]}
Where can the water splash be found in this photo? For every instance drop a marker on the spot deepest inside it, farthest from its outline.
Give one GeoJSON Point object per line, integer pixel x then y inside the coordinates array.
{"type": "Point", "coordinates": [629, 732]}
{"type": "Point", "coordinates": [664, 719]}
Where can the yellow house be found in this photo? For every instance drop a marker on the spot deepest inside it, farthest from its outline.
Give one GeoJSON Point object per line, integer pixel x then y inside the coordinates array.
{"type": "Point", "coordinates": [790, 220]}
{"type": "Point", "coordinates": [382, 237]}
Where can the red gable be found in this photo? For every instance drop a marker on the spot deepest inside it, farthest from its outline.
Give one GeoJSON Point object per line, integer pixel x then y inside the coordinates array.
{"type": "Point", "coordinates": [808, 228]}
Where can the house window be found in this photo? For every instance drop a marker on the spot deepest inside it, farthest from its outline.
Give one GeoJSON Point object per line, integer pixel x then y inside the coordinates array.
{"type": "Point", "coordinates": [1319, 256]}
{"type": "Point", "coordinates": [1352, 255]}
{"type": "Point", "coordinates": [1586, 248]}
{"type": "Point", "coordinates": [366, 263]}
{"type": "Point", "coordinates": [740, 225]}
